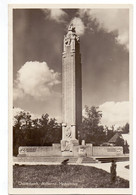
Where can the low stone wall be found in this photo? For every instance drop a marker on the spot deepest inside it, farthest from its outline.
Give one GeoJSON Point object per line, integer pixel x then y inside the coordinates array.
{"type": "Point", "coordinates": [107, 151]}
{"type": "Point", "coordinates": [40, 150]}
{"type": "Point", "coordinates": [80, 150]}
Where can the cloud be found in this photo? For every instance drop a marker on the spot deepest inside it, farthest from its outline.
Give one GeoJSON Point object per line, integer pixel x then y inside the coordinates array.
{"type": "Point", "coordinates": [35, 79]}
{"type": "Point", "coordinates": [16, 111]}
{"type": "Point", "coordinates": [111, 20]}
{"type": "Point", "coordinates": [57, 15]}
{"type": "Point", "coordinates": [79, 25]}
{"type": "Point", "coordinates": [115, 113]}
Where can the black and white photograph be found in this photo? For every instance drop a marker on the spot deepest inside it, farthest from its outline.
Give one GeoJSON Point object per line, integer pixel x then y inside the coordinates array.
{"type": "Point", "coordinates": [70, 126]}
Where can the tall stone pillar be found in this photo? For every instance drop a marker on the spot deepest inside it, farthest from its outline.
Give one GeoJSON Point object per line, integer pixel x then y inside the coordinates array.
{"type": "Point", "coordinates": [71, 90]}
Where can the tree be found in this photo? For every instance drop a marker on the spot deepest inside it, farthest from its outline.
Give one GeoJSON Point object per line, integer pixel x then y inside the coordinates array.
{"type": "Point", "coordinates": [37, 132]}
{"type": "Point", "coordinates": [35, 123]}
{"type": "Point", "coordinates": [44, 120]}
{"type": "Point", "coordinates": [22, 119]}
{"type": "Point", "coordinates": [52, 130]}
{"type": "Point", "coordinates": [126, 128]}
{"type": "Point", "coordinates": [91, 130]}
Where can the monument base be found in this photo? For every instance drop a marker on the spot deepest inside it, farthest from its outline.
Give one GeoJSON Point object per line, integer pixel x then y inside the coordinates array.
{"type": "Point", "coordinates": [67, 153]}
{"type": "Point", "coordinates": [55, 154]}
{"type": "Point", "coordinates": [68, 147]}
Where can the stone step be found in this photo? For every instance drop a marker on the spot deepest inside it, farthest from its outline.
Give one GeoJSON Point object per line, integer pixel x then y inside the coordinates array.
{"type": "Point", "coordinates": [55, 159]}
{"type": "Point", "coordinates": [45, 159]}
{"type": "Point", "coordinates": [89, 160]}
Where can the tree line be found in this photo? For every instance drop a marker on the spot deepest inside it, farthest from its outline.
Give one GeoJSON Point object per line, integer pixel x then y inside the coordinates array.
{"type": "Point", "coordinates": [35, 132]}
{"type": "Point", "coordinates": [45, 130]}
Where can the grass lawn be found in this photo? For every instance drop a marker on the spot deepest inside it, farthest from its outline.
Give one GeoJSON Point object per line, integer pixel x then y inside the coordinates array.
{"type": "Point", "coordinates": [63, 176]}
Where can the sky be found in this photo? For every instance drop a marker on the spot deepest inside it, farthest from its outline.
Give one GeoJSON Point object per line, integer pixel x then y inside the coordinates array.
{"type": "Point", "coordinates": [37, 54]}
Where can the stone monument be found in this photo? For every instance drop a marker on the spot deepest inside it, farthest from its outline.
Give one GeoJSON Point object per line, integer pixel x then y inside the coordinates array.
{"type": "Point", "coordinates": [71, 91]}
{"type": "Point", "coordinates": [72, 113]}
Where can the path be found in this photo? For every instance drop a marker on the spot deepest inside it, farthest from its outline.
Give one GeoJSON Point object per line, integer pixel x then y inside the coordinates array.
{"type": "Point", "coordinates": [121, 170]}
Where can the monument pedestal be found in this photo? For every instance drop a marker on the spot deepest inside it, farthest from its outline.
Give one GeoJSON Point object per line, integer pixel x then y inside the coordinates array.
{"type": "Point", "coordinates": [67, 147]}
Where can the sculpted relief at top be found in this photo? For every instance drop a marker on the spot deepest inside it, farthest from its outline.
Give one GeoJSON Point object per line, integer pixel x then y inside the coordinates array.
{"type": "Point", "coordinates": [71, 36]}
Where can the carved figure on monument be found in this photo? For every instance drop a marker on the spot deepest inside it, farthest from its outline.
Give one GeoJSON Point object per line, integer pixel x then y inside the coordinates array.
{"type": "Point", "coordinates": [68, 133]}
{"type": "Point", "coordinates": [66, 146]}
{"type": "Point", "coordinates": [67, 41]}
{"type": "Point", "coordinates": [71, 35]}
{"type": "Point", "coordinates": [71, 28]}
